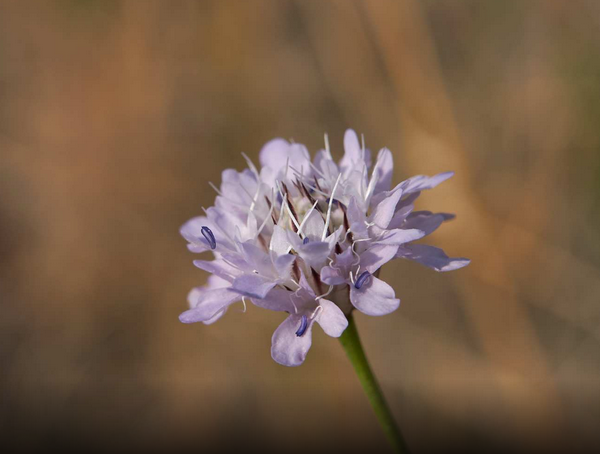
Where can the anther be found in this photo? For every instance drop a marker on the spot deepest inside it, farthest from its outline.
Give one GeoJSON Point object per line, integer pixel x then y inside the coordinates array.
{"type": "Point", "coordinates": [303, 326]}
{"type": "Point", "coordinates": [361, 279]}
{"type": "Point", "coordinates": [305, 240]}
{"type": "Point", "coordinates": [210, 237]}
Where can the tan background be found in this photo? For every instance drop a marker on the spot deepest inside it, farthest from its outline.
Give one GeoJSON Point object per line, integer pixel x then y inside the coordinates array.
{"type": "Point", "coordinates": [114, 115]}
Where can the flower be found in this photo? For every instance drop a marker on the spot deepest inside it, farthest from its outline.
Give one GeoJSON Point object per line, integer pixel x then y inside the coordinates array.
{"type": "Point", "coordinates": [308, 238]}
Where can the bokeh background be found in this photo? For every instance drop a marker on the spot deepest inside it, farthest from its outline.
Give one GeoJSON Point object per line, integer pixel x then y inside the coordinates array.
{"type": "Point", "coordinates": [114, 115]}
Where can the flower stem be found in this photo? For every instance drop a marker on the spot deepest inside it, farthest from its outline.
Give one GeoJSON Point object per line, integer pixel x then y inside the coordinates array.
{"type": "Point", "coordinates": [351, 343]}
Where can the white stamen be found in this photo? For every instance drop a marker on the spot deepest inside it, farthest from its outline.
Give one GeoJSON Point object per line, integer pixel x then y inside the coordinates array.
{"type": "Point", "coordinates": [235, 202]}
{"type": "Point", "coordinates": [285, 204]}
{"type": "Point", "coordinates": [244, 303]}
{"type": "Point", "coordinates": [230, 263]}
{"type": "Point", "coordinates": [327, 146]}
{"type": "Point", "coordinates": [291, 215]}
{"type": "Point", "coordinates": [325, 294]}
{"type": "Point", "coordinates": [287, 166]}
{"type": "Point", "coordinates": [316, 312]}
{"type": "Point", "coordinates": [251, 165]}
{"type": "Point", "coordinates": [264, 223]}
{"type": "Point", "coordinates": [210, 183]}
{"type": "Point", "coordinates": [324, 235]}
{"type": "Point", "coordinates": [316, 170]}
{"type": "Point", "coordinates": [306, 216]}
{"type": "Point", "coordinates": [255, 198]}
{"type": "Point", "coordinates": [373, 182]}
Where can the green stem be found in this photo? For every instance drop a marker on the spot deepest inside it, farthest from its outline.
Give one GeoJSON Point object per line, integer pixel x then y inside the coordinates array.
{"type": "Point", "coordinates": [351, 343]}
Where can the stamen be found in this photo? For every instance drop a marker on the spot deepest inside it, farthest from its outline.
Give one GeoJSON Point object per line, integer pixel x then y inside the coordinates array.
{"type": "Point", "coordinates": [211, 184]}
{"type": "Point", "coordinates": [329, 208]}
{"type": "Point", "coordinates": [210, 237]}
{"type": "Point", "coordinates": [361, 279]}
{"type": "Point", "coordinates": [316, 312]}
{"type": "Point", "coordinates": [267, 217]}
{"type": "Point", "coordinates": [327, 145]}
{"type": "Point", "coordinates": [373, 182]}
{"type": "Point", "coordinates": [255, 198]}
{"type": "Point", "coordinates": [303, 326]}
{"type": "Point", "coordinates": [325, 294]}
{"type": "Point", "coordinates": [305, 240]}
{"type": "Point", "coordinates": [306, 216]}
{"type": "Point", "coordinates": [251, 166]}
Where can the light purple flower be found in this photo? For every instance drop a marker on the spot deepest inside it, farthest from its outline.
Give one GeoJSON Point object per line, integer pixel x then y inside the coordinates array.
{"type": "Point", "coordinates": [309, 238]}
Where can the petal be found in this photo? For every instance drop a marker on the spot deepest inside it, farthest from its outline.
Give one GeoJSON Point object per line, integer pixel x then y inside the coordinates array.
{"type": "Point", "coordinates": [324, 162]}
{"type": "Point", "coordinates": [213, 282]}
{"type": "Point", "coordinates": [274, 153]}
{"type": "Point", "coordinates": [313, 225]}
{"type": "Point", "coordinates": [375, 297]}
{"type": "Point", "coordinates": [279, 241]}
{"type": "Point", "coordinates": [338, 272]}
{"type": "Point", "coordinates": [400, 236]}
{"type": "Point", "coordinates": [432, 257]}
{"type": "Point", "coordinates": [287, 348]}
{"type": "Point", "coordinates": [383, 169]}
{"type": "Point", "coordinates": [218, 268]}
{"type": "Point", "coordinates": [376, 256]}
{"type": "Point", "coordinates": [332, 276]}
{"type": "Point", "coordinates": [384, 211]}
{"type": "Point", "coordinates": [257, 258]}
{"type": "Point", "coordinates": [357, 219]}
{"type": "Point", "coordinates": [252, 285]}
{"type": "Point", "coordinates": [400, 215]}
{"type": "Point", "coordinates": [331, 318]}
{"type": "Point", "coordinates": [281, 156]}
{"type": "Point", "coordinates": [276, 300]}
{"type": "Point", "coordinates": [420, 182]}
{"type": "Point", "coordinates": [283, 265]}
{"type": "Point", "coordinates": [216, 317]}
{"type": "Point", "coordinates": [425, 220]}
{"type": "Point", "coordinates": [315, 254]}
{"type": "Point", "coordinates": [352, 150]}
{"type": "Point", "coordinates": [209, 303]}
{"type": "Point", "coordinates": [192, 232]}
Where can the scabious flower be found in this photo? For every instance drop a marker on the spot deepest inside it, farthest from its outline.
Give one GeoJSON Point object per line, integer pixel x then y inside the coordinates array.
{"type": "Point", "coordinates": [308, 238]}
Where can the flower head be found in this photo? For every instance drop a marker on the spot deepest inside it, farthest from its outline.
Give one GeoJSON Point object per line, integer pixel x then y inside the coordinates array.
{"type": "Point", "coordinates": [308, 238]}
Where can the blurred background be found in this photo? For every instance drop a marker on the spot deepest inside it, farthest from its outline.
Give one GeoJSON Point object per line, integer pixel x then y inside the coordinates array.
{"type": "Point", "coordinates": [114, 115]}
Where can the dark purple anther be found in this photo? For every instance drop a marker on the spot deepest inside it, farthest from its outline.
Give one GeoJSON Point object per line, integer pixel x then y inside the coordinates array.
{"type": "Point", "coordinates": [303, 326]}
{"type": "Point", "coordinates": [305, 240]}
{"type": "Point", "coordinates": [361, 279]}
{"type": "Point", "coordinates": [210, 237]}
